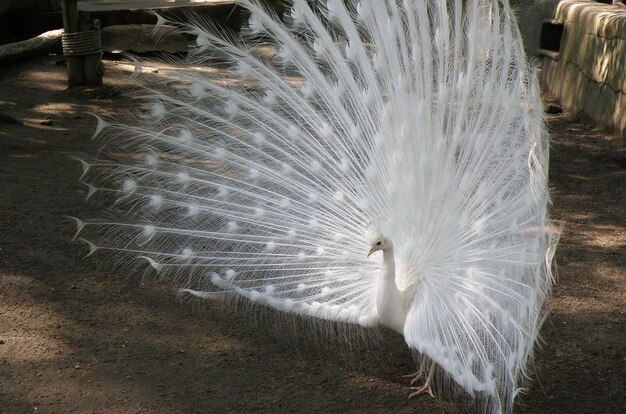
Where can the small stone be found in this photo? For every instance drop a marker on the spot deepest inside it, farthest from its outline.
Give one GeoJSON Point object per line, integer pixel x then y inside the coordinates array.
{"type": "Point", "coordinates": [2, 342]}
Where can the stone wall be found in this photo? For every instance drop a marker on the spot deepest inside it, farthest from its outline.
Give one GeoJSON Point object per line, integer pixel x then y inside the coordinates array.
{"type": "Point", "coordinates": [588, 75]}
{"type": "Point", "coordinates": [530, 14]}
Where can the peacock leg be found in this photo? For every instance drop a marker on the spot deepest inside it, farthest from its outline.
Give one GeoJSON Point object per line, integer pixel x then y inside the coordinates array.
{"type": "Point", "coordinates": [416, 376]}
{"type": "Point", "coordinates": [426, 388]}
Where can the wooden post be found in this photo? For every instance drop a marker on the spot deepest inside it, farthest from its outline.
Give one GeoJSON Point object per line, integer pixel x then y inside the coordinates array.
{"type": "Point", "coordinates": [93, 69]}
{"type": "Point", "coordinates": [81, 70]}
{"type": "Point", "coordinates": [71, 24]}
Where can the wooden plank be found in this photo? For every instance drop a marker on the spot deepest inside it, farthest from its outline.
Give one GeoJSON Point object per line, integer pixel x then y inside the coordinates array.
{"type": "Point", "coordinates": [112, 5]}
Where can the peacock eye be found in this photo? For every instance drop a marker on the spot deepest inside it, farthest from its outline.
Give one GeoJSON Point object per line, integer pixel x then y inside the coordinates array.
{"type": "Point", "coordinates": [378, 243]}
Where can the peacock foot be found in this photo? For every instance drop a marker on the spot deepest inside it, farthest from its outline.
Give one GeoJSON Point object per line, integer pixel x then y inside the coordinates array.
{"type": "Point", "coordinates": [416, 376]}
{"type": "Point", "coordinates": [426, 389]}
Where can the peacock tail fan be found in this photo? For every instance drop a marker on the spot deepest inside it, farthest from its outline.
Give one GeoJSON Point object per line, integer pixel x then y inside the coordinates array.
{"type": "Point", "coordinates": [419, 120]}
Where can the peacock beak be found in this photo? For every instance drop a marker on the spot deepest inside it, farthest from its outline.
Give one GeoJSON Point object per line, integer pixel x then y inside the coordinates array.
{"type": "Point", "coordinates": [372, 250]}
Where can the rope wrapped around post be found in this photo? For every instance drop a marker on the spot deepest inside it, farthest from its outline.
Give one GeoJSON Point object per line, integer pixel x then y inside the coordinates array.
{"type": "Point", "coordinates": [82, 43]}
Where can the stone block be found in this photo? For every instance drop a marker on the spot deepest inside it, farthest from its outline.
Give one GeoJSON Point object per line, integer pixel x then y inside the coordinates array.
{"type": "Point", "coordinates": [569, 48]}
{"type": "Point", "coordinates": [619, 115]}
{"type": "Point", "coordinates": [597, 59]}
{"type": "Point", "coordinates": [547, 75]}
{"type": "Point", "coordinates": [608, 101]}
{"type": "Point", "coordinates": [530, 15]}
{"type": "Point", "coordinates": [593, 106]}
{"type": "Point", "coordinates": [600, 105]}
{"type": "Point", "coordinates": [611, 22]}
{"type": "Point", "coordinates": [573, 88]}
{"type": "Point", "coordinates": [559, 74]}
{"type": "Point", "coordinates": [616, 68]}
{"type": "Point", "coordinates": [590, 76]}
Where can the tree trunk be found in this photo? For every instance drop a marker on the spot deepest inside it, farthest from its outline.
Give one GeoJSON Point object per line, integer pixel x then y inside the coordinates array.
{"type": "Point", "coordinates": [48, 42]}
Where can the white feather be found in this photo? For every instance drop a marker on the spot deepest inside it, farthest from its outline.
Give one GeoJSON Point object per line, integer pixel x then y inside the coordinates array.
{"type": "Point", "coordinates": [422, 115]}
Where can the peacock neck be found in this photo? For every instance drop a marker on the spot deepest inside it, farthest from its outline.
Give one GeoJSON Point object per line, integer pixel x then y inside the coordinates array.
{"type": "Point", "coordinates": [389, 298]}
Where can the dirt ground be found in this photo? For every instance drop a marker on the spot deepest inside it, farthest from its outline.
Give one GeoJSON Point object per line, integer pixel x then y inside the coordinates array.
{"type": "Point", "coordinates": [76, 339]}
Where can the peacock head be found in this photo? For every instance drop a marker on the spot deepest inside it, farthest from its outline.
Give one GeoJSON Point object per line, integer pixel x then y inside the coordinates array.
{"type": "Point", "coordinates": [380, 243]}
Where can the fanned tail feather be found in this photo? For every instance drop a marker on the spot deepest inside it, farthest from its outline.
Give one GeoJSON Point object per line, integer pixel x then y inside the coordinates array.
{"type": "Point", "coordinates": [266, 183]}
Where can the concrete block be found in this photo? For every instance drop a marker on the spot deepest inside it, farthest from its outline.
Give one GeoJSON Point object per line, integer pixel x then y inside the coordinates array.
{"type": "Point", "coordinates": [616, 68]}
{"type": "Point", "coordinates": [592, 106]}
{"type": "Point", "coordinates": [608, 100]}
{"type": "Point", "coordinates": [611, 22]}
{"type": "Point", "coordinates": [601, 105]}
{"type": "Point", "coordinates": [586, 54]}
{"type": "Point", "coordinates": [563, 72]}
{"type": "Point", "coordinates": [619, 115]}
{"type": "Point", "coordinates": [597, 60]}
{"type": "Point", "coordinates": [569, 42]}
{"type": "Point", "coordinates": [573, 88]}
{"type": "Point", "coordinates": [547, 75]}
{"type": "Point", "coordinates": [552, 79]}
{"type": "Point", "coordinates": [590, 76]}
{"type": "Point", "coordinates": [530, 15]}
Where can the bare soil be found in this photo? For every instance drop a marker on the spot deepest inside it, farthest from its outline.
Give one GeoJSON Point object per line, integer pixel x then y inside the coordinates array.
{"type": "Point", "coordinates": [77, 339]}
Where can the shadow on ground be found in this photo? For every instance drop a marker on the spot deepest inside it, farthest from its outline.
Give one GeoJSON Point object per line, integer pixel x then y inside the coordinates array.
{"type": "Point", "coordinates": [77, 339]}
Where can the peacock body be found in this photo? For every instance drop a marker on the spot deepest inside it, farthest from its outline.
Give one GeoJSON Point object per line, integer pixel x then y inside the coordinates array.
{"type": "Point", "coordinates": [410, 127]}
